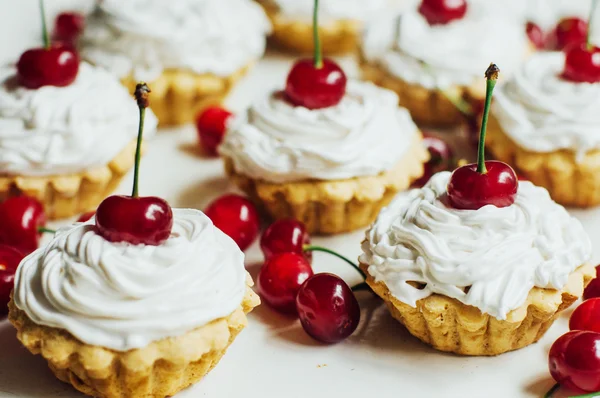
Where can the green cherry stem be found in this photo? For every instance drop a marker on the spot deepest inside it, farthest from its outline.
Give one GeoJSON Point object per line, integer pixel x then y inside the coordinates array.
{"type": "Point", "coordinates": [311, 248]}
{"type": "Point", "coordinates": [590, 395]}
{"type": "Point", "coordinates": [318, 55]}
{"type": "Point", "coordinates": [44, 230]}
{"type": "Point", "coordinates": [588, 40]}
{"type": "Point", "coordinates": [141, 95]}
{"type": "Point", "coordinates": [491, 75]}
{"type": "Point", "coordinates": [44, 27]}
{"type": "Point", "coordinates": [551, 391]}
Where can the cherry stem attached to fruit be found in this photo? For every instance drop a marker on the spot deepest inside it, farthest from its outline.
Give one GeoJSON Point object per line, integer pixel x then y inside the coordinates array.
{"type": "Point", "coordinates": [361, 286]}
{"type": "Point", "coordinates": [141, 95]}
{"type": "Point", "coordinates": [590, 395]}
{"type": "Point", "coordinates": [44, 27]}
{"type": "Point", "coordinates": [318, 55]}
{"type": "Point", "coordinates": [491, 75]}
{"type": "Point", "coordinates": [311, 248]}
{"type": "Point", "coordinates": [44, 230]}
{"type": "Point", "coordinates": [588, 40]}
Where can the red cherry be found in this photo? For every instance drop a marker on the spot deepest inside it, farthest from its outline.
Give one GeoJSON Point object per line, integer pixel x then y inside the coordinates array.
{"type": "Point", "coordinates": [20, 219]}
{"type": "Point", "coordinates": [280, 279]}
{"type": "Point", "coordinates": [574, 360]}
{"type": "Point", "coordinates": [86, 216]}
{"type": "Point", "coordinates": [211, 125]}
{"type": "Point", "coordinates": [10, 258]}
{"type": "Point", "coordinates": [440, 158]}
{"type": "Point", "coordinates": [315, 88]}
{"type": "Point", "coordinates": [136, 220]}
{"type": "Point", "coordinates": [471, 190]}
{"type": "Point", "coordinates": [586, 316]}
{"type": "Point", "coordinates": [582, 65]}
{"type": "Point", "coordinates": [68, 26]}
{"type": "Point", "coordinates": [593, 288]}
{"type": "Point", "coordinates": [536, 35]}
{"type": "Point", "coordinates": [285, 236]}
{"type": "Point", "coordinates": [570, 31]}
{"type": "Point", "coordinates": [442, 11]}
{"type": "Point", "coordinates": [327, 308]}
{"type": "Point", "coordinates": [237, 217]}
{"type": "Point", "coordinates": [55, 66]}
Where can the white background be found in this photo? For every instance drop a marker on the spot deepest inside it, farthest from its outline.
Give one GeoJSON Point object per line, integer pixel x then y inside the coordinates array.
{"type": "Point", "coordinates": [273, 357]}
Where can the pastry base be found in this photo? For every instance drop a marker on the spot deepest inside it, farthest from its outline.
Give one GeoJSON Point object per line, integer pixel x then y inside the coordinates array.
{"type": "Point", "coordinates": [569, 182]}
{"type": "Point", "coordinates": [178, 95]}
{"type": "Point", "coordinates": [337, 38]}
{"type": "Point", "coordinates": [160, 369]}
{"type": "Point", "coordinates": [331, 207]}
{"type": "Point", "coordinates": [446, 324]}
{"type": "Point", "coordinates": [71, 194]}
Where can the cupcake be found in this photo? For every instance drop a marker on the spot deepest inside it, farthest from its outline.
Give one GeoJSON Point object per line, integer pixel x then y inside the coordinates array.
{"type": "Point", "coordinates": [432, 58]}
{"type": "Point", "coordinates": [340, 27]}
{"type": "Point", "coordinates": [476, 282]}
{"type": "Point", "coordinates": [332, 168]}
{"type": "Point", "coordinates": [545, 121]}
{"type": "Point", "coordinates": [191, 52]}
{"type": "Point", "coordinates": [67, 146]}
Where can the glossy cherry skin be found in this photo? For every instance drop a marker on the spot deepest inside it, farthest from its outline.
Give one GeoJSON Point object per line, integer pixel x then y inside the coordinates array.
{"type": "Point", "coordinates": [86, 216]}
{"type": "Point", "coordinates": [570, 31]}
{"type": "Point", "coordinates": [20, 219]}
{"type": "Point", "coordinates": [280, 278]}
{"type": "Point", "coordinates": [68, 26]}
{"type": "Point", "coordinates": [582, 65]}
{"type": "Point", "coordinates": [237, 217]}
{"type": "Point", "coordinates": [536, 35]}
{"type": "Point", "coordinates": [438, 12]}
{"type": "Point", "coordinates": [211, 125]}
{"type": "Point", "coordinates": [586, 316]}
{"type": "Point", "coordinates": [327, 308]}
{"type": "Point", "coordinates": [315, 88]}
{"type": "Point", "coordinates": [10, 258]}
{"type": "Point", "coordinates": [440, 158]}
{"type": "Point", "coordinates": [285, 236]}
{"type": "Point", "coordinates": [593, 288]}
{"type": "Point", "coordinates": [56, 66]}
{"type": "Point", "coordinates": [142, 220]}
{"type": "Point", "coordinates": [470, 190]}
{"type": "Point", "coordinates": [574, 360]}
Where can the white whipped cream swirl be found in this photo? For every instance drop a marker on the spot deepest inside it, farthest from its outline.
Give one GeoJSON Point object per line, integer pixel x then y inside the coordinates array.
{"type": "Point", "coordinates": [440, 56]}
{"type": "Point", "coordinates": [145, 37]}
{"type": "Point", "coordinates": [123, 296]}
{"type": "Point", "coordinates": [499, 253]}
{"type": "Point", "coordinates": [542, 112]}
{"type": "Point", "coordinates": [60, 130]}
{"type": "Point", "coordinates": [365, 134]}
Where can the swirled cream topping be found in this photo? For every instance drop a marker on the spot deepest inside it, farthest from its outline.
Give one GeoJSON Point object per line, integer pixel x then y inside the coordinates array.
{"type": "Point", "coordinates": [61, 130]}
{"type": "Point", "coordinates": [500, 254]}
{"type": "Point", "coordinates": [333, 10]}
{"type": "Point", "coordinates": [144, 37]}
{"type": "Point", "coordinates": [441, 56]}
{"type": "Point", "coordinates": [543, 112]}
{"type": "Point", "coordinates": [365, 134]}
{"type": "Point", "coordinates": [123, 296]}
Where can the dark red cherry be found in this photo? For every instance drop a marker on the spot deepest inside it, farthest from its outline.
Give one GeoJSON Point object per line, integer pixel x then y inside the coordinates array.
{"type": "Point", "coordinates": [315, 88]}
{"type": "Point", "coordinates": [574, 360]}
{"type": "Point", "coordinates": [570, 31]}
{"type": "Point", "coordinates": [582, 64]}
{"type": "Point", "coordinates": [55, 66]}
{"type": "Point", "coordinates": [20, 220]}
{"type": "Point", "coordinates": [280, 279]}
{"type": "Point", "coordinates": [440, 158]}
{"type": "Point", "coordinates": [211, 125]}
{"type": "Point", "coordinates": [237, 217]}
{"type": "Point", "coordinates": [283, 236]}
{"type": "Point", "coordinates": [136, 220]}
{"type": "Point", "coordinates": [586, 316]}
{"type": "Point", "coordinates": [327, 308]}
{"type": "Point", "coordinates": [593, 288]}
{"type": "Point", "coordinates": [470, 190]}
{"type": "Point", "coordinates": [438, 12]}
{"type": "Point", "coordinates": [536, 35]}
{"type": "Point", "coordinates": [10, 258]}
{"type": "Point", "coordinates": [68, 26]}
{"type": "Point", "coordinates": [86, 216]}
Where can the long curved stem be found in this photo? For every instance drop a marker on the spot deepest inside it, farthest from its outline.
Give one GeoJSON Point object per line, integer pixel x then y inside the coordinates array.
{"type": "Point", "coordinates": [318, 55]}
{"type": "Point", "coordinates": [590, 395]}
{"type": "Point", "coordinates": [588, 40]}
{"type": "Point", "coordinates": [44, 27]}
{"type": "Point", "coordinates": [44, 230]}
{"type": "Point", "coordinates": [138, 153]}
{"type": "Point", "coordinates": [552, 391]}
{"type": "Point", "coordinates": [491, 75]}
{"type": "Point", "coordinates": [310, 248]}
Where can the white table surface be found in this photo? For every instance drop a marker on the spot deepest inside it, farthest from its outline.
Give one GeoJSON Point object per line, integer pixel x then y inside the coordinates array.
{"type": "Point", "coordinates": [273, 357]}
